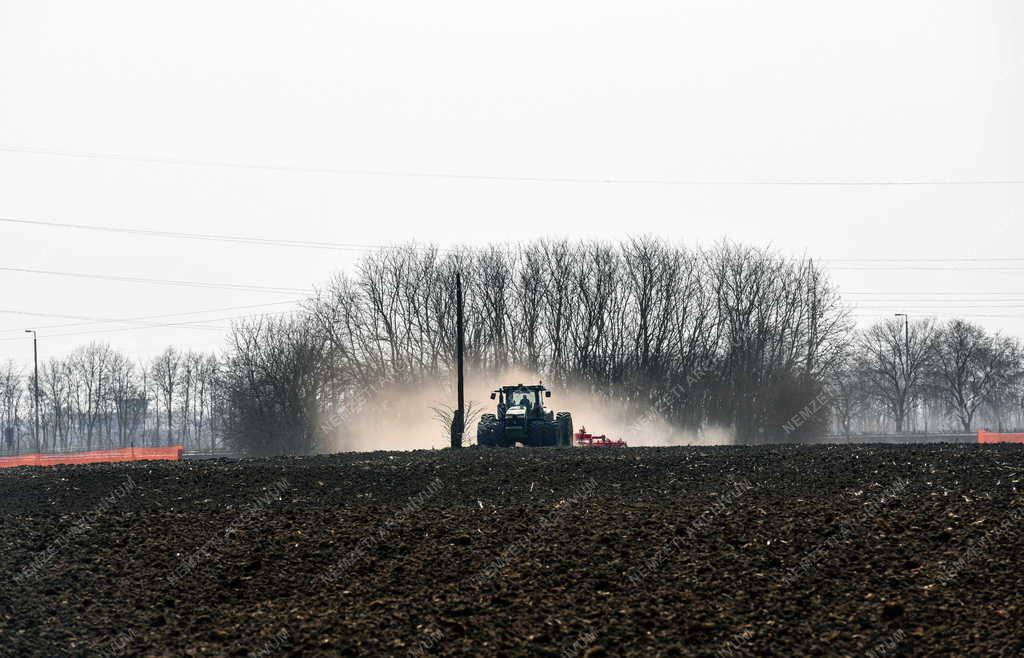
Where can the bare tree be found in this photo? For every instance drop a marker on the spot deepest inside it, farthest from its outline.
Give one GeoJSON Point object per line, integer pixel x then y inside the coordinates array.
{"type": "Point", "coordinates": [895, 360]}
{"type": "Point", "coordinates": [1006, 395]}
{"type": "Point", "coordinates": [11, 398]}
{"type": "Point", "coordinates": [128, 397]}
{"type": "Point", "coordinates": [165, 372]}
{"type": "Point", "coordinates": [850, 395]}
{"type": "Point", "coordinates": [90, 368]}
{"type": "Point", "coordinates": [274, 386]}
{"type": "Point", "coordinates": [967, 366]}
{"type": "Point", "coordinates": [444, 413]}
{"type": "Point", "coordinates": [56, 382]}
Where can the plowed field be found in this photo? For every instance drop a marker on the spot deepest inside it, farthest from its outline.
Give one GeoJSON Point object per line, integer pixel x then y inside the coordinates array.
{"type": "Point", "coordinates": [790, 551]}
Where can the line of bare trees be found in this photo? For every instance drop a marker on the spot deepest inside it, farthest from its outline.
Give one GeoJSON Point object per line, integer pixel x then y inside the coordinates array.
{"type": "Point", "coordinates": [100, 398]}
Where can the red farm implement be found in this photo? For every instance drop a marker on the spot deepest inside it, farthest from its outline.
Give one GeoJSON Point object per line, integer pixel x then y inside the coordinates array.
{"type": "Point", "coordinates": [585, 440]}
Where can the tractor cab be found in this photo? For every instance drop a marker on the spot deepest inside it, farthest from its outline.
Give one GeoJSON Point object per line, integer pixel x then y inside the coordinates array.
{"type": "Point", "coordinates": [521, 401]}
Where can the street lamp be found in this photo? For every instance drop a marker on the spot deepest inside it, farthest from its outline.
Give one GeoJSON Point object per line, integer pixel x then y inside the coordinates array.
{"type": "Point", "coordinates": [35, 359]}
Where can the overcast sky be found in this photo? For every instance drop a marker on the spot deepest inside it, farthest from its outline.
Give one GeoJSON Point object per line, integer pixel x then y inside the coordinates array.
{"type": "Point", "coordinates": [632, 101]}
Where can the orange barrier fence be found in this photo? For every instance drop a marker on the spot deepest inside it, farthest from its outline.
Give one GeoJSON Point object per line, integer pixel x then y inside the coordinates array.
{"type": "Point", "coordinates": [996, 437]}
{"type": "Point", "coordinates": [167, 453]}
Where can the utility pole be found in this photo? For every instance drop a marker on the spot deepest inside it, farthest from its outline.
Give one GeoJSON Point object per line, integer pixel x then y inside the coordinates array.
{"type": "Point", "coordinates": [459, 417]}
{"type": "Point", "coordinates": [812, 335]}
{"type": "Point", "coordinates": [906, 367]}
{"type": "Point", "coordinates": [35, 360]}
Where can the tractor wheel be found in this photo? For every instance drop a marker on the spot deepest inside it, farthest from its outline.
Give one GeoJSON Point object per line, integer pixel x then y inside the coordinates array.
{"type": "Point", "coordinates": [565, 429]}
{"type": "Point", "coordinates": [490, 433]}
{"type": "Point", "coordinates": [543, 434]}
{"type": "Point", "coordinates": [485, 434]}
{"type": "Point", "coordinates": [553, 439]}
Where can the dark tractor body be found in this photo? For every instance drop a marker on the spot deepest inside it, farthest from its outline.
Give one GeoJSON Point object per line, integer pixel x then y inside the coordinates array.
{"type": "Point", "coordinates": [522, 418]}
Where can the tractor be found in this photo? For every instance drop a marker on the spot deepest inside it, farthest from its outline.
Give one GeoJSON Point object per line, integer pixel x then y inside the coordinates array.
{"type": "Point", "coordinates": [522, 418]}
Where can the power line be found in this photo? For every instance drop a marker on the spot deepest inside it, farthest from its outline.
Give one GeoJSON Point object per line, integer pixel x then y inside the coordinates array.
{"type": "Point", "coordinates": [932, 309]}
{"type": "Point", "coordinates": [161, 282]}
{"type": "Point", "coordinates": [934, 300]}
{"type": "Point", "coordinates": [926, 292]}
{"type": "Point", "coordinates": [922, 268]}
{"type": "Point", "coordinates": [168, 325]}
{"type": "Point", "coordinates": [947, 309]}
{"type": "Point", "coordinates": [498, 178]}
{"type": "Point", "coordinates": [941, 315]}
{"type": "Point", "coordinates": [238, 239]}
{"type": "Point", "coordinates": [139, 319]}
{"type": "Point", "coordinates": [357, 247]}
{"type": "Point", "coordinates": [922, 260]}
{"type": "Point", "coordinates": [92, 320]}
{"type": "Point", "coordinates": [273, 289]}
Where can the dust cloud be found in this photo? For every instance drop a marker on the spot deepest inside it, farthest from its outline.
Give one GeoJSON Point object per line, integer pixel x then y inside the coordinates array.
{"type": "Point", "coordinates": [403, 417]}
{"type": "Point", "coordinates": [637, 427]}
